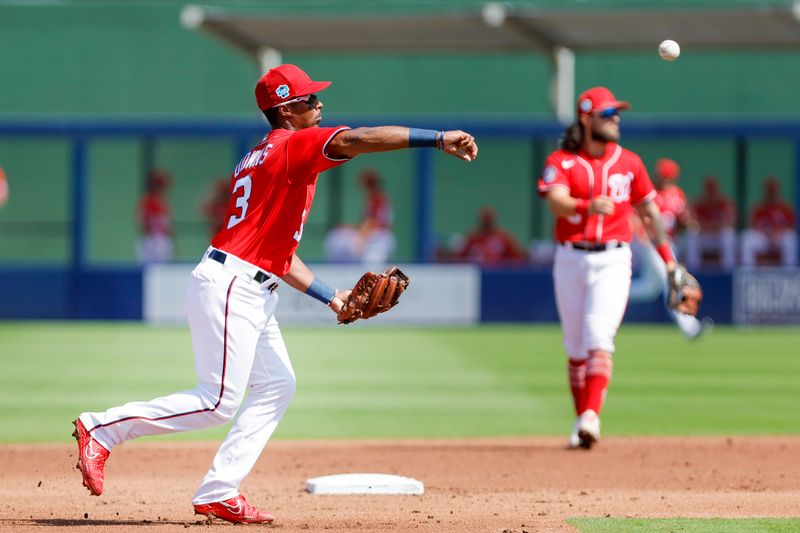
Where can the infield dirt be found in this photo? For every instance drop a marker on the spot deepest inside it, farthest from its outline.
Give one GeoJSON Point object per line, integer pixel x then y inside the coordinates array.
{"type": "Point", "coordinates": [487, 485]}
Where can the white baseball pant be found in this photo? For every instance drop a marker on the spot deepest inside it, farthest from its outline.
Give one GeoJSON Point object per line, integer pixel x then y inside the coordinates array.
{"type": "Point", "coordinates": [755, 242]}
{"type": "Point", "coordinates": [237, 346]}
{"type": "Point", "coordinates": [155, 248]}
{"type": "Point", "coordinates": [378, 247]}
{"type": "Point", "coordinates": [723, 241]}
{"type": "Point", "coordinates": [591, 295]}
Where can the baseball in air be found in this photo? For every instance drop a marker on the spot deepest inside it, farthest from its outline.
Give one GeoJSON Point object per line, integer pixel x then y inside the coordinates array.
{"type": "Point", "coordinates": [669, 50]}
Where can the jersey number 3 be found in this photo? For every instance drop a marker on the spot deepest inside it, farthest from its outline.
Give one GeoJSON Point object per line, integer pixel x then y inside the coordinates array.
{"type": "Point", "coordinates": [241, 202]}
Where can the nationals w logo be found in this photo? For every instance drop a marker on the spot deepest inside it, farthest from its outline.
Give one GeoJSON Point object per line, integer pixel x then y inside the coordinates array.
{"type": "Point", "coordinates": [619, 186]}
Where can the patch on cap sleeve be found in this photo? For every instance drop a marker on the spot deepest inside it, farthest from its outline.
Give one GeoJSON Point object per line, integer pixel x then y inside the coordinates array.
{"type": "Point", "coordinates": [586, 105]}
{"type": "Point", "coordinates": [282, 91]}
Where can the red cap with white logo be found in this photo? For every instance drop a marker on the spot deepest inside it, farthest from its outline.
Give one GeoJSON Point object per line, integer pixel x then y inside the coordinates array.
{"type": "Point", "coordinates": [284, 83]}
{"type": "Point", "coordinates": [599, 99]}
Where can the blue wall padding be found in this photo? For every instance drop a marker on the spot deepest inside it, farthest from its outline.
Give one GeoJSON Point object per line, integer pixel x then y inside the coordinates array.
{"type": "Point", "coordinates": [507, 295]}
{"type": "Point", "coordinates": [526, 295]}
{"type": "Point", "coordinates": [58, 293]}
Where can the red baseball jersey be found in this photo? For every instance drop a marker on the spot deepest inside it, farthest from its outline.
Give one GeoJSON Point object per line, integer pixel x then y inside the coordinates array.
{"type": "Point", "coordinates": [773, 217]}
{"type": "Point", "coordinates": [717, 210]}
{"type": "Point", "coordinates": [618, 173]}
{"type": "Point", "coordinates": [671, 200]}
{"type": "Point", "coordinates": [272, 190]}
{"type": "Point", "coordinates": [379, 210]}
{"type": "Point", "coordinates": [3, 187]}
{"type": "Point", "coordinates": [154, 215]}
{"type": "Point", "coordinates": [491, 248]}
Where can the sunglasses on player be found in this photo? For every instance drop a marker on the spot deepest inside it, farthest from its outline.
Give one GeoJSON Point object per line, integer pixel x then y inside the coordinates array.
{"type": "Point", "coordinates": [608, 113]}
{"type": "Point", "coordinates": [311, 100]}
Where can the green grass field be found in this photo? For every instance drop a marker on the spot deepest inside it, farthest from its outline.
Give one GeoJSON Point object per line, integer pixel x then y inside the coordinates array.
{"type": "Point", "coordinates": [371, 382]}
{"type": "Point", "coordinates": [410, 382]}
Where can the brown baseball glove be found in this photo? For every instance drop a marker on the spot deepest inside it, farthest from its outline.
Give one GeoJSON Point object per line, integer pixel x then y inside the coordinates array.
{"type": "Point", "coordinates": [685, 293]}
{"type": "Point", "coordinates": [373, 294]}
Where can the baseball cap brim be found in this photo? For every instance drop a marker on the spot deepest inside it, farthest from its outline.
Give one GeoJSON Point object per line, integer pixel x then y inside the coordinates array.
{"type": "Point", "coordinates": [622, 106]}
{"type": "Point", "coordinates": [313, 87]}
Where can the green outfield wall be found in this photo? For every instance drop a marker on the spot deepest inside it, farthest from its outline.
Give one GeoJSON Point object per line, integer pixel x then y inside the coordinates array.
{"type": "Point", "coordinates": [133, 60]}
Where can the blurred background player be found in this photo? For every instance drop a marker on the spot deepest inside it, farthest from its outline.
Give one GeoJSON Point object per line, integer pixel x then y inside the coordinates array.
{"type": "Point", "coordinates": [376, 224]}
{"type": "Point", "coordinates": [215, 204]}
{"type": "Point", "coordinates": [715, 235]}
{"type": "Point", "coordinates": [343, 244]}
{"type": "Point", "coordinates": [488, 244]}
{"type": "Point", "coordinates": [3, 188]}
{"type": "Point", "coordinates": [372, 241]}
{"type": "Point", "coordinates": [155, 220]}
{"type": "Point", "coordinates": [671, 201]}
{"type": "Point", "coordinates": [676, 217]}
{"type": "Point", "coordinates": [592, 186]}
{"type": "Point", "coordinates": [772, 229]}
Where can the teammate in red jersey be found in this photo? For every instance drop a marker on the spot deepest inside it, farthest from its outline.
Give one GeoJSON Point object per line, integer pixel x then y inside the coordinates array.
{"type": "Point", "coordinates": [593, 185]}
{"type": "Point", "coordinates": [670, 198]}
{"type": "Point", "coordinates": [676, 217]}
{"type": "Point", "coordinates": [214, 206]}
{"type": "Point", "coordinates": [232, 293]}
{"type": "Point", "coordinates": [772, 226]}
{"type": "Point", "coordinates": [490, 245]}
{"type": "Point", "coordinates": [3, 188]}
{"type": "Point", "coordinates": [716, 217]}
{"type": "Point", "coordinates": [376, 223]}
{"type": "Point", "coordinates": [155, 220]}
{"type": "Point", "coordinates": [372, 241]}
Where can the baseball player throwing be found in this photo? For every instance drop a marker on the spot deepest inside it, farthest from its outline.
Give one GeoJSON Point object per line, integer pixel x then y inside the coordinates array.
{"type": "Point", "coordinates": [592, 184]}
{"type": "Point", "coordinates": [231, 295]}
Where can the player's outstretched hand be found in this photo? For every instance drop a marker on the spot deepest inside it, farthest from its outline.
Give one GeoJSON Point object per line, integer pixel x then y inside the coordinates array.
{"type": "Point", "coordinates": [460, 144]}
{"type": "Point", "coordinates": [339, 300]}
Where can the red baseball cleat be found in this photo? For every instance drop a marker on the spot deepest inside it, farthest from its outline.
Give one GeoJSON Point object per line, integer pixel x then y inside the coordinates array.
{"type": "Point", "coordinates": [91, 459]}
{"type": "Point", "coordinates": [236, 510]}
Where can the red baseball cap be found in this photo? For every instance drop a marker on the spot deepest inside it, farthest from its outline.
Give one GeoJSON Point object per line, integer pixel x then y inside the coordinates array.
{"type": "Point", "coordinates": [667, 169]}
{"type": "Point", "coordinates": [599, 99]}
{"type": "Point", "coordinates": [284, 83]}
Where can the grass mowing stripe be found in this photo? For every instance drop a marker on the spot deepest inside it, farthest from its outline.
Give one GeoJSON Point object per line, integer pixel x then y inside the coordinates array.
{"type": "Point", "coordinates": [416, 382]}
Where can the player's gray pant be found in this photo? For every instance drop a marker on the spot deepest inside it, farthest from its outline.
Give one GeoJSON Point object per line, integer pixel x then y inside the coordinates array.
{"type": "Point", "coordinates": [237, 346]}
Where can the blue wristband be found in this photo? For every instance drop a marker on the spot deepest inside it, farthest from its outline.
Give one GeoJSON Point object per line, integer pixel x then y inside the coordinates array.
{"type": "Point", "coordinates": [418, 138]}
{"type": "Point", "coordinates": [321, 292]}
